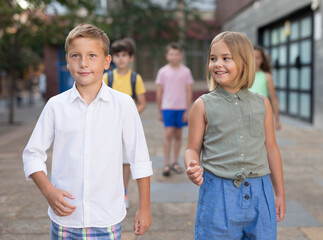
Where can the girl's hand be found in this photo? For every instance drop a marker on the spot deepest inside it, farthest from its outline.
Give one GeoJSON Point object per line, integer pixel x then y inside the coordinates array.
{"type": "Point", "coordinates": [280, 208]}
{"type": "Point", "coordinates": [142, 222]}
{"type": "Point", "coordinates": [194, 173]}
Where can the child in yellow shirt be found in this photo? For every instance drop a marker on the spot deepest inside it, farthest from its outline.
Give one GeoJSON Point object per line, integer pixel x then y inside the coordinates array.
{"type": "Point", "coordinates": [124, 80]}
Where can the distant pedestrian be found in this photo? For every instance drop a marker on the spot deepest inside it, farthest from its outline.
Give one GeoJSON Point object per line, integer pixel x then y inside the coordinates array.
{"type": "Point", "coordinates": [124, 80]}
{"type": "Point", "coordinates": [174, 99]}
{"type": "Point", "coordinates": [264, 83]}
{"type": "Point", "coordinates": [92, 126]}
{"type": "Point", "coordinates": [232, 128]}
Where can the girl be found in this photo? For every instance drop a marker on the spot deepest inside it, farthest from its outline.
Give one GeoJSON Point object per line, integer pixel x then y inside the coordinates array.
{"type": "Point", "coordinates": [233, 128]}
{"type": "Point", "coordinates": [264, 83]}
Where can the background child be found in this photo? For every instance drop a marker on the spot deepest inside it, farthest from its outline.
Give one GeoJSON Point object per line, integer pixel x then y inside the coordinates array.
{"type": "Point", "coordinates": [264, 83]}
{"type": "Point", "coordinates": [124, 80]}
{"type": "Point", "coordinates": [233, 128]}
{"type": "Point", "coordinates": [90, 125]}
{"type": "Point", "coordinates": [174, 97]}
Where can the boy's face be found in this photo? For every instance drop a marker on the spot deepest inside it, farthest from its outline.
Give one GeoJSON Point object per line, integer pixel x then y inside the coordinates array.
{"type": "Point", "coordinates": [122, 59]}
{"type": "Point", "coordinates": [86, 61]}
{"type": "Point", "coordinates": [174, 56]}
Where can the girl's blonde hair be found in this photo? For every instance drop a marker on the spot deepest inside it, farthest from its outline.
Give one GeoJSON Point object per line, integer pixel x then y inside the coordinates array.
{"type": "Point", "coordinates": [242, 53]}
{"type": "Point", "coordinates": [85, 30]}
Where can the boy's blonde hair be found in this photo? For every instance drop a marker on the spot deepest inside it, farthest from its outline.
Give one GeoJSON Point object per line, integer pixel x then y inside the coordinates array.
{"type": "Point", "coordinates": [86, 30]}
{"type": "Point", "coordinates": [242, 53]}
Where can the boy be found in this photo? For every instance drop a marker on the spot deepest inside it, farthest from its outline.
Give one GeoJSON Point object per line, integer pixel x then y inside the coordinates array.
{"type": "Point", "coordinates": [90, 125]}
{"type": "Point", "coordinates": [174, 97]}
{"type": "Point", "coordinates": [124, 80]}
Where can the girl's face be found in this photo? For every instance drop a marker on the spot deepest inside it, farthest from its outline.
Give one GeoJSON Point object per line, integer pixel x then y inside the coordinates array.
{"type": "Point", "coordinates": [258, 59]}
{"type": "Point", "coordinates": [222, 67]}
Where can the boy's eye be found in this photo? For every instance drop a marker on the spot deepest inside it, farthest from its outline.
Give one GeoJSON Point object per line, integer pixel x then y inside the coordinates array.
{"type": "Point", "coordinates": [74, 55]}
{"type": "Point", "coordinates": [92, 55]}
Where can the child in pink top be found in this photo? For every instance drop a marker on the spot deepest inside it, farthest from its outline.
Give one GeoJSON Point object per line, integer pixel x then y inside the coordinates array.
{"type": "Point", "coordinates": [174, 98]}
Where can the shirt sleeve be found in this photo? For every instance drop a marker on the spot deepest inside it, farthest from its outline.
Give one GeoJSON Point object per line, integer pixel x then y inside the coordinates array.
{"type": "Point", "coordinates": [135, 146]}
{"type": "Point", "coordinates": [34, 155]}
{"type": "Point", "coordinates": [159, 78]}
{"type": "Point", "coordinates": [140, 87]}
{"type": "Point", "coordinates": [189, 78]}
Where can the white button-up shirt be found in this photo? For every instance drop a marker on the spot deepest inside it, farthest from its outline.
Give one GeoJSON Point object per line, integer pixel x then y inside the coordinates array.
{"type": "Point", "coordinates": [89, 143]}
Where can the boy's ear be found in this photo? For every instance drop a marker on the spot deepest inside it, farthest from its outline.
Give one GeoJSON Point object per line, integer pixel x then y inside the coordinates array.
{"type": "Point", "coordinates": [67, 65]}
{"type": "Point", "coordinates": [107, 62]}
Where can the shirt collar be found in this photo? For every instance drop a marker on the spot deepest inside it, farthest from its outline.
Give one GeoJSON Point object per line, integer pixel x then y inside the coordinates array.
{"type": "Point", "coordinates": [104, 93]}
{"type": "Point", "coordinates": [241, 94]}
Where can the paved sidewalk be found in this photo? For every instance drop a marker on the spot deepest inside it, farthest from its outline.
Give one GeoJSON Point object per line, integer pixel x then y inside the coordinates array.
{"type": "Point", "coordinates": [23, 209]}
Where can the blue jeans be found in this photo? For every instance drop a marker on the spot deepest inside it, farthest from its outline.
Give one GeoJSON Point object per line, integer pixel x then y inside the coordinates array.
{"type": "Point", "coordinates": [226, 212]}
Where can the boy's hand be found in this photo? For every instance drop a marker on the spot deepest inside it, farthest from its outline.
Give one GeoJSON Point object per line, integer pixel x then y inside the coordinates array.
{"type": "Point", "coordinates": [56, 200]}
{"type": "Point", "coordinates": [194, 173]}
{"type": "Point", "coordinates": [142, 222]}
{"type": "Point", "coordinates": [280, 208]}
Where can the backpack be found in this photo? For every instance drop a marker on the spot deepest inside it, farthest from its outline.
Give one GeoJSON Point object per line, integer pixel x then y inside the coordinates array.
{"type": "Point", "coordinates": [133, 82]}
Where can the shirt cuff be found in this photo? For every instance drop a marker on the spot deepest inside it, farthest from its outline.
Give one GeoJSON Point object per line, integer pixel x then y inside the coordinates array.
{"type": "Point", "coordinates": [31, 168]}
{"type": "Point", "coordinates": [141, 169]}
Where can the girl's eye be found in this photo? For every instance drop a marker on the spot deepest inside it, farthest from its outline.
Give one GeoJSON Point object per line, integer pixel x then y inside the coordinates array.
{"type": "Point", "coordinates": [213, 59]}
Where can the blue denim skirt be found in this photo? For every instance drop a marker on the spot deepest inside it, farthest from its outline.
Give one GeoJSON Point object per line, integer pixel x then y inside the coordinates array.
{"type": "Point", "coordinates": [225, 211]}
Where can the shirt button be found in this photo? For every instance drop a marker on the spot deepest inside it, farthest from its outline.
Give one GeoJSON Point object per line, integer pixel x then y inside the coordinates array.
{"type": "Point", "coordinates": [243, 169]}
{"type": "Point", "coordinates": [235, 96]}
{"type": "Point", "coordinates": [246, 184]}
{"type": "Point", "coordinates": [241, 136]}
{"type": "Point", "coordinates": [246, 197]}
{"type": "Point", "coordinates": [239, 120]}
{"type": "Point", "coordinates": [236, 103]}
{"type": "Point", "coordinates": [242, 154]}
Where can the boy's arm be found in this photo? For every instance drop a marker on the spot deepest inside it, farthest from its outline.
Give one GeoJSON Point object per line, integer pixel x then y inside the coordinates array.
{"type": "Point", "coordinates": [189, 95]}
{"type": "Point", "coordinates": [143, 216]}
{"type": "Point", "coordinates": [55, 197]}
{"type": "Point", "coordinates": [275, 162]}
{"type": "Point", "coordinates": [159, 95]}
{"type": "Point", "coordinates": [141, 103]}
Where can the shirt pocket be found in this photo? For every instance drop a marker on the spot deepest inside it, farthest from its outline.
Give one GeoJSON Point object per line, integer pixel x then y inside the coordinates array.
{"type": "Point", "coordinates": [256, 125]}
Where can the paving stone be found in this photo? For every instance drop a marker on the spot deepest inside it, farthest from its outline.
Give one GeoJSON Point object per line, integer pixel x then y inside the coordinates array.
{"type": "Point", "coordinates": [298, 216]}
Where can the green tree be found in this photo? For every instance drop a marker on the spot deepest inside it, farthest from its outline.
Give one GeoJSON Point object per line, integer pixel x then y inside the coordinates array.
{"type": "Point", "coordinates": [26, 28]}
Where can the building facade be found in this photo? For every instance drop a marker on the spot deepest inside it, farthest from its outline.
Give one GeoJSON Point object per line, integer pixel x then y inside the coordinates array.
{"type": "Point", "coordinates": [291, 32]}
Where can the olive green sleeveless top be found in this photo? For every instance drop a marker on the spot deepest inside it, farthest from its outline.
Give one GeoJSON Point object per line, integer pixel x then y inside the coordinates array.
{"type": "Point", "coordinates": [260, 84]}
{"type": "Point", "coordinates": [234, 141]}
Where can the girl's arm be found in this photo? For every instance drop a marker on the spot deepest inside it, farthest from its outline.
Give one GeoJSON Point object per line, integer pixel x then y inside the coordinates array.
{"type": "Point", "coordinates": [159, 95]}
{"type": "Point", "coordinates": [196, 128]}
{"type": "Point", "coordinates": [143, 216]}
{"type": "Point", "coordinates": [273, 98]}
{"type": "Point", "coordinates": [275, 162]}
{"type": "Point", "coordinates": [141, 103]}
